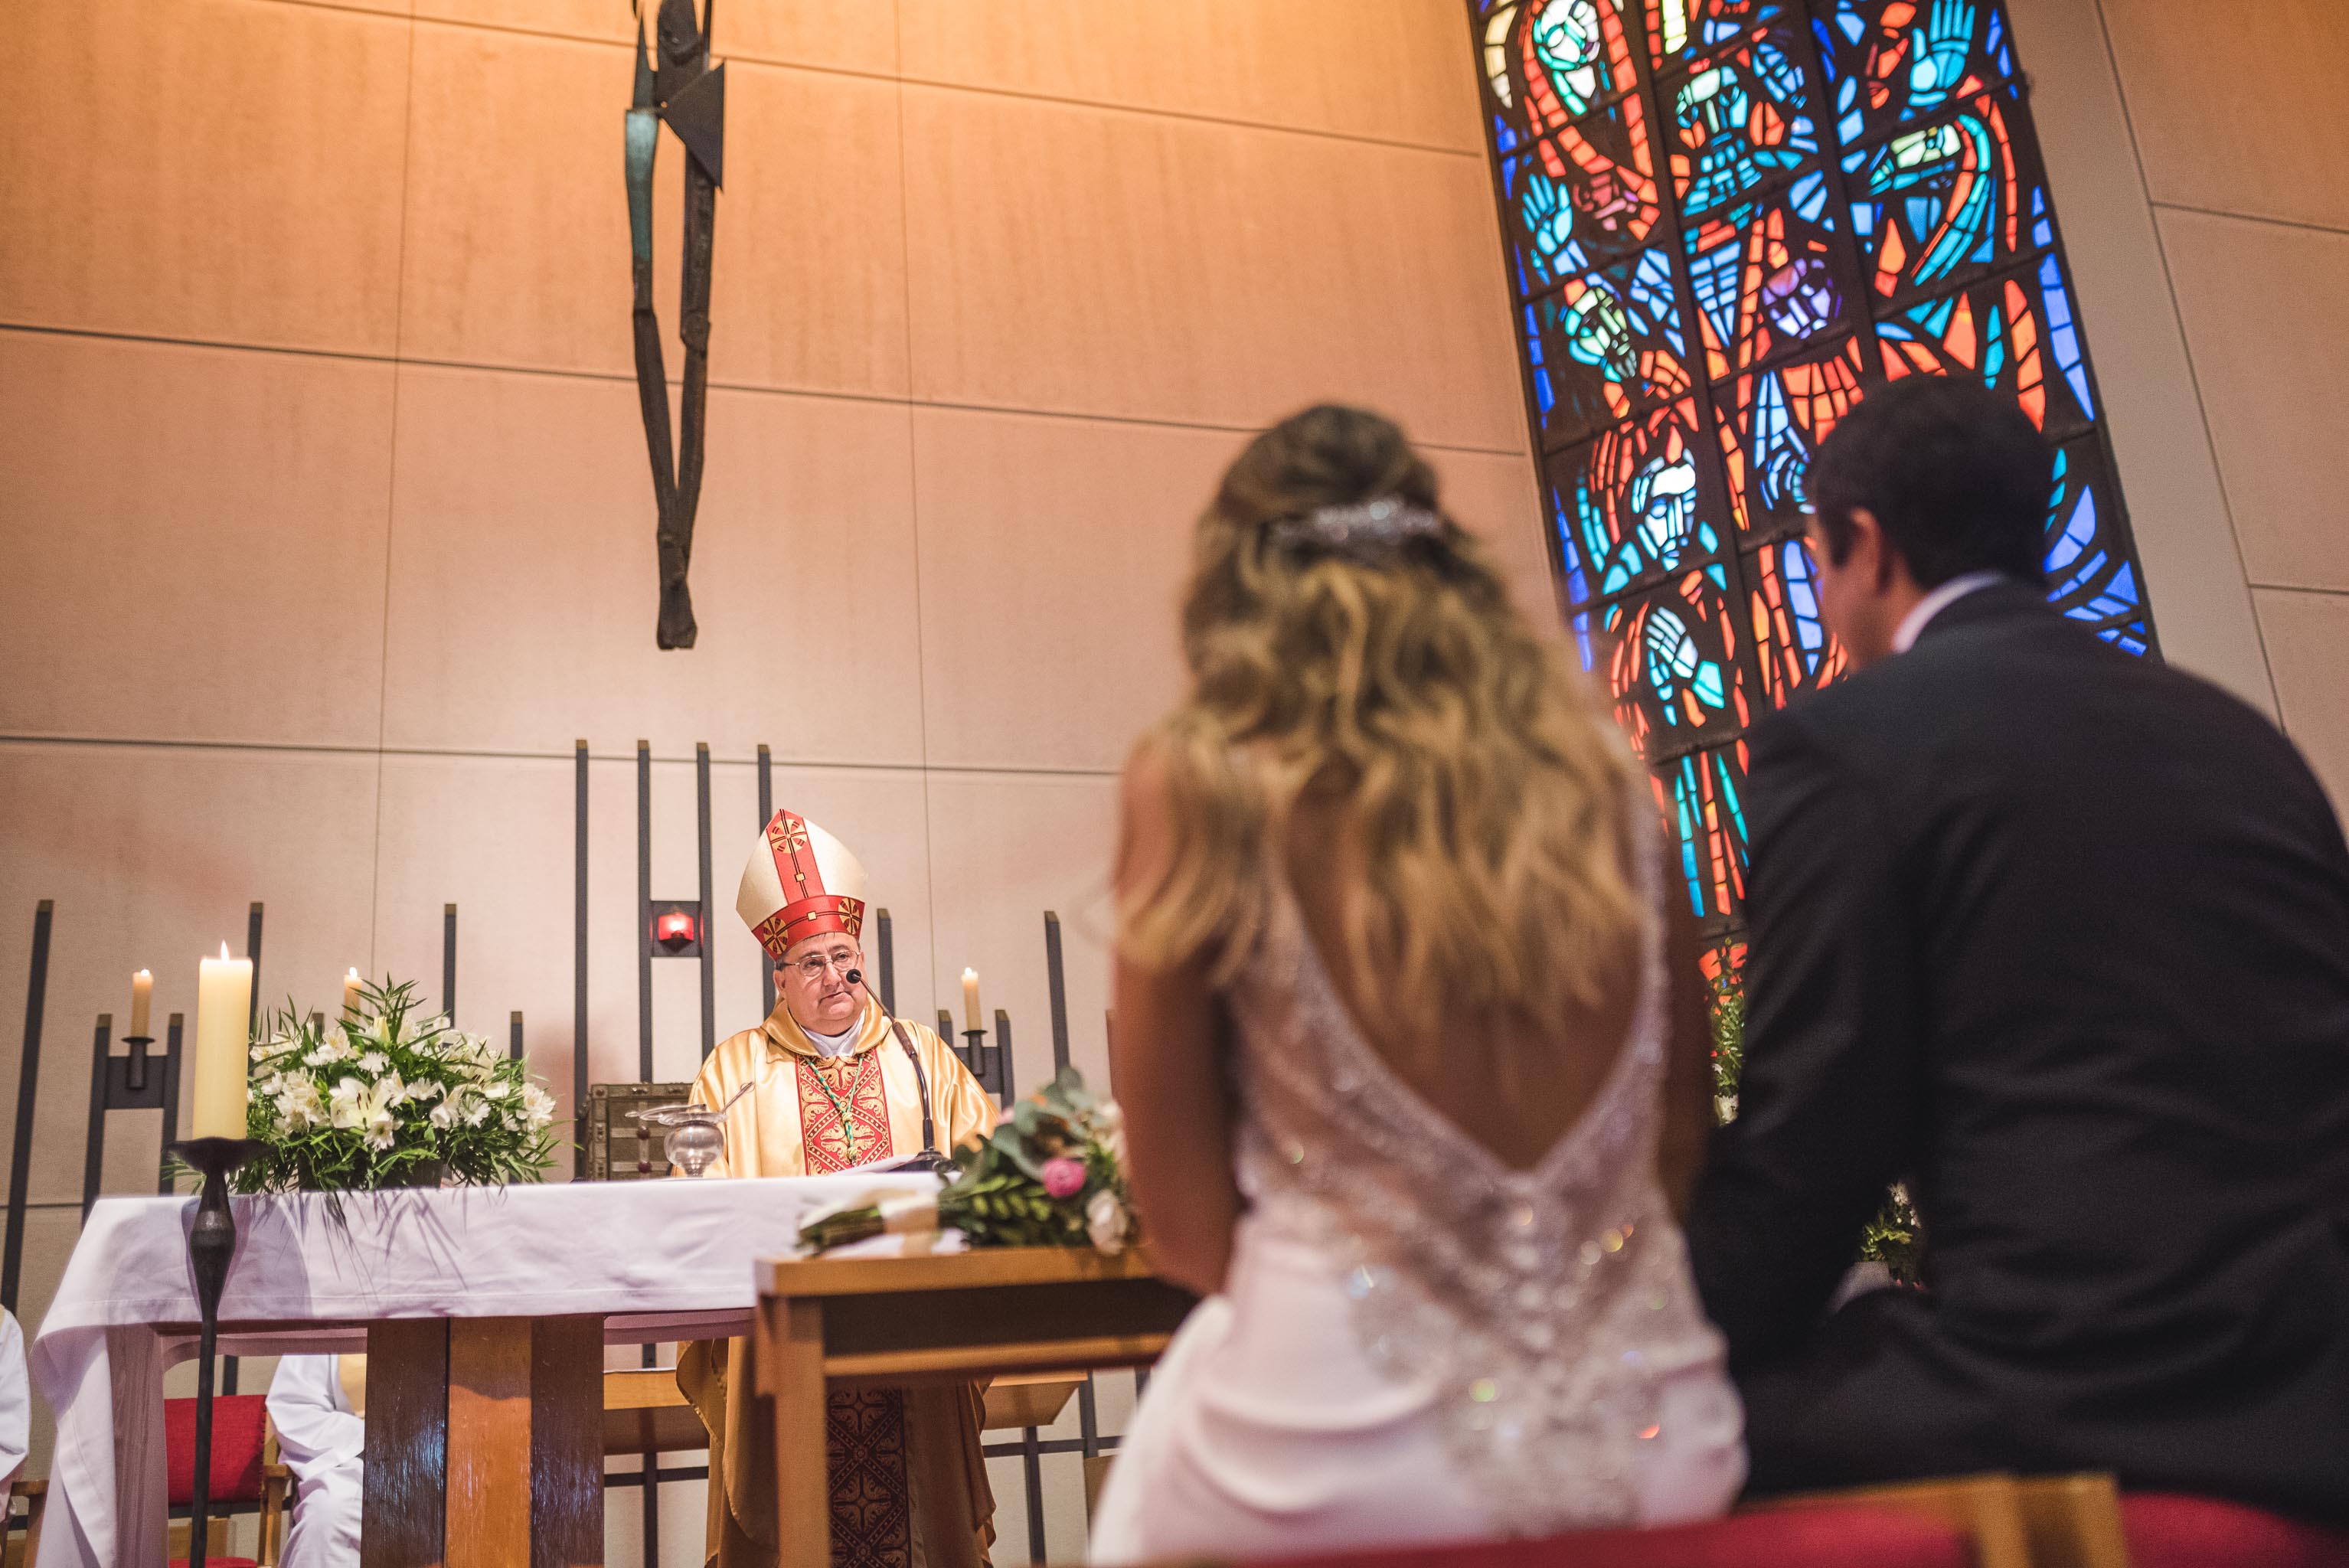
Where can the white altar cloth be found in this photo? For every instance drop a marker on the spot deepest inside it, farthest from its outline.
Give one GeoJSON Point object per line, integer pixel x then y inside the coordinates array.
{"type": "Point", "coordinates": [664, 1260]}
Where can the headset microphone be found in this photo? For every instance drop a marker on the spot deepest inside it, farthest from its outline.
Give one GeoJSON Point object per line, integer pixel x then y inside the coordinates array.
{"type": "Point", "coordinates": [929, 1155]}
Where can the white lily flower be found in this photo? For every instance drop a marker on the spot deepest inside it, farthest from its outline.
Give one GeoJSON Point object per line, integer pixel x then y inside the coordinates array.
{"type": "Point", "coordinates": [1107, 1224]}
{"type": "Point", "coordinates": [347, 1108]}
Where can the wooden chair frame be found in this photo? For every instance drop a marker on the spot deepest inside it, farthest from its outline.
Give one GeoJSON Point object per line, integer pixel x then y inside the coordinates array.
{"type": "Point", "coordinates": [2035, 1521]}
{"type": "Point", "coordinates": [277, 1482]}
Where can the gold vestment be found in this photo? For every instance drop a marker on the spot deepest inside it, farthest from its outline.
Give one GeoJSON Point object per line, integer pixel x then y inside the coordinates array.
{"type": "Point", "coordinates": [908, 1483]}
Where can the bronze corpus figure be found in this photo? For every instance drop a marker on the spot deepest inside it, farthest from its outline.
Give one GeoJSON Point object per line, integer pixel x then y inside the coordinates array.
{"type": "Point", "coordinates": [688, 93]}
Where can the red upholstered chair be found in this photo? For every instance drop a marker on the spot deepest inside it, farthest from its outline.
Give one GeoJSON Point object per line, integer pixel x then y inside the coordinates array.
{"type": "Point", "coordinates": [240, 1437]}
{"type": "Point", "coordinates": [1822, 1537]}
{"type": "Point", "coordinates": [2168, 1530]}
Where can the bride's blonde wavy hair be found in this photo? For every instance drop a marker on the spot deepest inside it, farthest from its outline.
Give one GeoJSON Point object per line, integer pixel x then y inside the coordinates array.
{"type": "Point", "coordinates": [1487, 795]}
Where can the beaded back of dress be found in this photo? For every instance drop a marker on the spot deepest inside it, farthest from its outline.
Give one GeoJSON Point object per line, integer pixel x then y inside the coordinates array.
{"type": "Point", "coordinates": [1547, 1302]}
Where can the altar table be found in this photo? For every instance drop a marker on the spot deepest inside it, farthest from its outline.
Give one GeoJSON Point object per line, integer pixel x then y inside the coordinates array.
{"type": "Point", "coordinates": [474, 1304]}
{"type": "Point", "coordinates": [892, 1322]}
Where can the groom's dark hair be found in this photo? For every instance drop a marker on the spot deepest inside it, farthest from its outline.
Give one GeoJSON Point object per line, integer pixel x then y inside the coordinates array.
{"type": "Point", "coordinates": [1957, 476]}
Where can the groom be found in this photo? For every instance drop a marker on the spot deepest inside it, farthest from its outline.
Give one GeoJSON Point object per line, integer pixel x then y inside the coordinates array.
{"type": "Point", "coordinates": [2060, 937]}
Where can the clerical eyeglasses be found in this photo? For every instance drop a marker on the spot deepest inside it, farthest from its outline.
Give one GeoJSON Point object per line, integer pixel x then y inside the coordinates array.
{"type": "Point", "coordinates": [813, 965]}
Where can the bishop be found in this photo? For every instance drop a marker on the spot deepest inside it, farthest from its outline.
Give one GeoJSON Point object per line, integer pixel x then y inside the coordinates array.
{"type": "Point", "coordinates": [834, 1083]}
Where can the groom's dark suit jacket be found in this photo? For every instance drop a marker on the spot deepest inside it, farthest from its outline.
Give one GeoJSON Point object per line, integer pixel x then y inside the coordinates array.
{"type": "Point", "coordinates": [2061, 937]}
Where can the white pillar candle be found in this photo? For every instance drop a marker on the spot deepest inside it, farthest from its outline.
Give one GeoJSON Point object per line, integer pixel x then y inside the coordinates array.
{"type": "Point", "coordinates": [351, 995]}
{"type": "Point", "coordinates": [223, 1020]}
{"type": "Point", "coordinates": [142, 994]}
{"type": "Point", "coordinates": [970, 998]}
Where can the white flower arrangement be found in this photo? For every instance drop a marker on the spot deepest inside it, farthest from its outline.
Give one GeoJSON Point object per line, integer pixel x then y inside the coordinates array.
{"type": "Point", "coordinates": [390, 1098]}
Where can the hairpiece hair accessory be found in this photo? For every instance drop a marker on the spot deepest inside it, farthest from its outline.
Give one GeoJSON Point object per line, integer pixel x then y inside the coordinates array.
{"type": "Point", "coordinates": [1388, 521]}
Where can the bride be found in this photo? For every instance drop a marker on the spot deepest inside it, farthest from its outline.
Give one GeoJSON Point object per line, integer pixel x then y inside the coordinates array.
{"type": "Point", "coordinates": [1408, 1060]}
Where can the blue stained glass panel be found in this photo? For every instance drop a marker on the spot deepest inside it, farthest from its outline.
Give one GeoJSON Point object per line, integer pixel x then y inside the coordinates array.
{"type": "Point", "coordinates": [1609, 344]}
{"type": "Point", "coordinates": [1635, 504]}
{"type": "Point", "coordinates": [2000, 329]}
{"type": "Point", "coordinates": [1739, 123]}
{"type": "Point", "coordinates": [1941, 202]}
{"type": "Point", "coordinates": [1585, 197]}
{"type": "Point", "coordinates": [1892, 61]}
{"type": "Point", "coordinates": [2090, 576]}
{"type": "Point", "coordinates": [1680, 31]}
{"type": "Point", "coordinates": [1729, 219]}
{"type": "Point", "coordinates": [1764, 277]}
{"type": "Point", "coordinates": [1771, 422]}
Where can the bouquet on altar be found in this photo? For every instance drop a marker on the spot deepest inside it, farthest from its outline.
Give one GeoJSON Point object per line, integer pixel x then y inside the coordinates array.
{"type": "Point", "coordinates": [1052, 1175]}
{"type": "Point", "coordinates": [390, 1096]}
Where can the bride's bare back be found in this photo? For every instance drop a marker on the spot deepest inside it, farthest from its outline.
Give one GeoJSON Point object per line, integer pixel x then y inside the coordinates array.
{"type": "Point", "coordinates": [1515, 1085]}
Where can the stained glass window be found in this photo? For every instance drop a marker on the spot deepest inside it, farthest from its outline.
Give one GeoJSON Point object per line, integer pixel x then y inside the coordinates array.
{"type": "Point", "coordinates": [1727, 219]}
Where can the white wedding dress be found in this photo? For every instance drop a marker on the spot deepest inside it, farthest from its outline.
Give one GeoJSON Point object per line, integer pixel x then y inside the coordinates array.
{"type": "Point", "coordinates": [1416, 1343]}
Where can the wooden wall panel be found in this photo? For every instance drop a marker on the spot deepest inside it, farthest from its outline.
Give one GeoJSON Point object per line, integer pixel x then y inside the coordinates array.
{"type": "Point", "coordinates": [1053, 556]}
{"type": "Point", "coordinates": [517, 246]}
{"type": "Point", "coordinates": [1052, 641]}
{"type": "Point", "coordinates": [1005, 848]}
{"type": "Point", "coordinates": [2268, 322]}
{"type": "Point", "coordinates": [2237, 109]}
{"type": "Point", "coordinates": [1395, 71]}
{"type": "Point", "coordinates": [1495, 498]}
{"type": "Point", "coordinates": [811, 274]}
{"type": "Point", "coordinates": [210, 169]}
{"type": "Point", "coordinates": [153, 854]}
{"type": "Point", "coordinates": [1077, 260]}
{"type": "Point", "coordinates": [517, 229]}
{"type": "Point", "coordinates": [845, 35]}
{"type": "Point", "coordinates": [523, 545]}
{"type": "Point", "coordinates": [195, 542]}
{"type": "Point", "coordinates": [2308, 645]}
{"type": "Point", "coordinates": [2178, 509]}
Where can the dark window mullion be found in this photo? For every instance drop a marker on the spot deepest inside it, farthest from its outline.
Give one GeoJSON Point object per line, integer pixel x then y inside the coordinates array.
{"type": "Point", "coordinates": [1737, 595]}
{"type": "Point", "coordinates": [1842, 242]}
{"type": "Point", "coordinates": [1512, 267]}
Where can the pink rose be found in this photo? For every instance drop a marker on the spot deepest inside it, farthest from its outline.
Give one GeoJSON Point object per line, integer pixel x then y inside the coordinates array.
{"type": "Point", "coordinates": [1064, 1176]}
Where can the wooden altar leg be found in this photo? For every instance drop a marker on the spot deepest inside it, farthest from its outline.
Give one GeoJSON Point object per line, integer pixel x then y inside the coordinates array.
{"type": "Point", "coordinates": [403, 1487]}
{"type": "Point", "coordinates": [791, 1370]}
{"type": "Point", "coordinates": [566, 1442]}
{"type": "Point", "coordinates": [489, 1421]}
{"type": "Point", "coordinates": [484, 1443]}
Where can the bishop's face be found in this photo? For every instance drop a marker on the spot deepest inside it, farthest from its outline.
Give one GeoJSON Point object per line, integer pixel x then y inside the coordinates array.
{"type": "Point", "coordinates": [813, 979]}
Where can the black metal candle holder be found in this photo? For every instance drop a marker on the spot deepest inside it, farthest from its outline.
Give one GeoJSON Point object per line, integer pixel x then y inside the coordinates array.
{"type": "Point", "coordinates": [984, 1057]}
{"type": "Point", "coordinates": [212, 1241]}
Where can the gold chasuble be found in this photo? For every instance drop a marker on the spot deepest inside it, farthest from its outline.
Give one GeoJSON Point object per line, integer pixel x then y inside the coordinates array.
{"type": "Point", "coordinates": [908, 1483]}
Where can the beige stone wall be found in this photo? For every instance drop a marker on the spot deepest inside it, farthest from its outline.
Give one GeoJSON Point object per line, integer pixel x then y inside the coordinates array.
{"type": "Point", "coordinates": [2244, 141]}
{"type": "Point", "coordinates": [327, 520]}
{"type": "Point", "coordinates": [2200, 155]}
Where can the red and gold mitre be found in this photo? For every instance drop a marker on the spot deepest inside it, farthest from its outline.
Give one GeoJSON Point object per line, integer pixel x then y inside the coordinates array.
{"type": "Point", "coordinates": [801, 882]}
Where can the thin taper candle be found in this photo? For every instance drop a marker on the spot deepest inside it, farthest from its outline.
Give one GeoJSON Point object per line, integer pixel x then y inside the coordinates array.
{"type": "Point", "coordinates": [224, 1005]}
{"type": "Point", "coordinates": [142, 994]}
{"type": "Point", "coordinates": [970, 998]}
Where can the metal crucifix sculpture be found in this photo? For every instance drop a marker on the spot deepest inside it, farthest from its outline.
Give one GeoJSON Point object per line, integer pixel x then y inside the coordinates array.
{"type": "Point", "coordinates": [685, 91]}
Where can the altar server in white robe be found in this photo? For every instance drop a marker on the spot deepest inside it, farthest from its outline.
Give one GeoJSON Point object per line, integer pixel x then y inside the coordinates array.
{"type": "Point", "coordinates": [16, 1399]}
{"type": "Point", "coordinates": [827, 1085]}
{"type": "Point", "coordinates": [317, 1404]}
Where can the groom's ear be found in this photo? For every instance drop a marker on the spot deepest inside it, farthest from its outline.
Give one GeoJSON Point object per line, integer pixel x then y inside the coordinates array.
{"type": "Point", "coordinates": [1867, 546]}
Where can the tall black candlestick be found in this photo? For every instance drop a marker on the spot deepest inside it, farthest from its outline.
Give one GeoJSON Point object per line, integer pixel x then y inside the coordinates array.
{"type": "Point", "coordinates": [212, 1241]}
